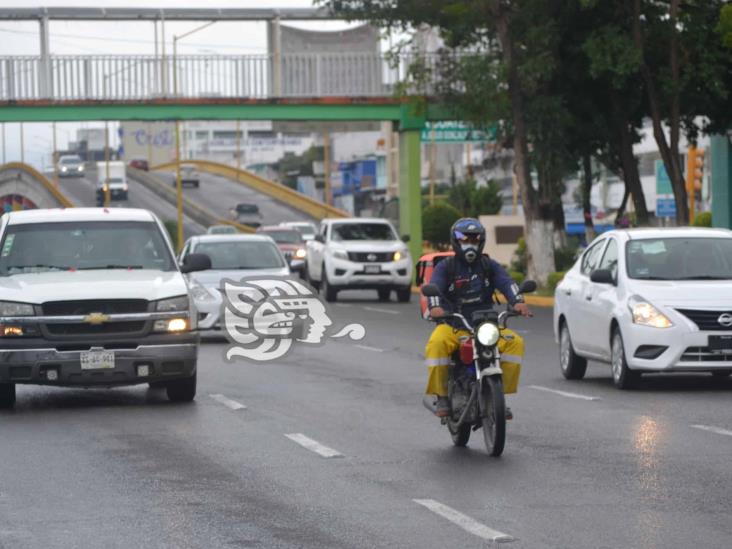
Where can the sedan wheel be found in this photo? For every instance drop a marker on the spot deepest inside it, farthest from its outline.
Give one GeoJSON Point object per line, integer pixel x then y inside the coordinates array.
{"type": "Point", "coordinates": [573, 366]}
{"type": "Point", "coordinates": [623, 377]}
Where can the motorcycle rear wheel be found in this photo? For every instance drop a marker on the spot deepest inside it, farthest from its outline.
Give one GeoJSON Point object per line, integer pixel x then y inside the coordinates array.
{"type": "Point", "coordinates": [493, 415]}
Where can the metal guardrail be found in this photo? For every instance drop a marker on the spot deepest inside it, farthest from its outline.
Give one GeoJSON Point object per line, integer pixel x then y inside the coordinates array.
{"type": "Point", "coordinates": [141, 77]}
{"type": "Point", "coordinates": [286, 195]}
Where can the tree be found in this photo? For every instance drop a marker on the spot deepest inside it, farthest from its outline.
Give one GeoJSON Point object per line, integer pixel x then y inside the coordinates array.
{"type": "Point", "coordinates": [474, 201]}
{"type": "Point", "coordinates": [437, 220]}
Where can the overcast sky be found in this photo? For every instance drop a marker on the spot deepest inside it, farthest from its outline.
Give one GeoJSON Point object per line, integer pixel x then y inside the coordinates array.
{"type": "Point", "coordinates": [98, 37]}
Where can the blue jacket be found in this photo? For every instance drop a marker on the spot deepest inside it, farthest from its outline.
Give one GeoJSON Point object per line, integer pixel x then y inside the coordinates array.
{"type": "Point", "coordinates": [471, 289]}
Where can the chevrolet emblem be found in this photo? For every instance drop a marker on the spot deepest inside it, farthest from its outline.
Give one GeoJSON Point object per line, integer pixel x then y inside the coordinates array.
{"type": "Point", "coordinates": [96, 318]}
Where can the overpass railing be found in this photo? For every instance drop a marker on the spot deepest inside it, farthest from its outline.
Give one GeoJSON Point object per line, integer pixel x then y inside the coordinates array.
{"type": "Point", "coordinates": [140, 77]}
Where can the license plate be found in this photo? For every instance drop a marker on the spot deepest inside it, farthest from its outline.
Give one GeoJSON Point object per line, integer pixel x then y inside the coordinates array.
{"type": "Point", "coordinates": [97, 360]}
{"type": "Point", "coordinates": [721, 344]}
{"type": "Point", "coordinates": [372, 268]}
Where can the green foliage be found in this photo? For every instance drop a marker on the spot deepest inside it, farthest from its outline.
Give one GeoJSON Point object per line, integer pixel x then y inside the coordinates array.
{"type": "Point", "coordinates": [703, 219]}
{"type": "Point", "coordinates": [436, 222]}
{"type": "Point", "coordinates": [565, 257]}
{"type": "Point", "coordinates": [291, 165]}
{"type": "Point", "coordinates": [171, 226]}
{"type": "Point", "coordinates": [518, 277]}
{"type": "Point", "coordinates": [724, 28]}
{"type": "Point", "coordinates": [554, 279]}
{"type": "Point", "coordinates": [474, 201]}
{"type": "Point", "coordinates": [519, 262]}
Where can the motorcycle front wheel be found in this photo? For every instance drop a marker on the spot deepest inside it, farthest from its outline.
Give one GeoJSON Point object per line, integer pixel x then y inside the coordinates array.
{"type": "Point", "coordinates": [493, 415]}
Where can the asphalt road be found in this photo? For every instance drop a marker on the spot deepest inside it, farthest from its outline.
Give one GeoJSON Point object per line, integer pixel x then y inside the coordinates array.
{"type": "Point", "coordinates": [125, 468]}
{"type": "Point", "coordinates": [81, 192]}
{"type": "Point", "coordinates": [219, 195]}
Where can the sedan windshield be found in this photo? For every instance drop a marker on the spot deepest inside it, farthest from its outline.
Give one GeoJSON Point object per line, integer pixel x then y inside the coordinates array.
{"type": "Point", "coordinates": [307, 230]}
{"type": "Point", "coordinates": [240, 255]}
{"type": "Point", "coordinates": [284, 237]}
{"type": "Point", "coordinates": [363, 231]}
{"type": "Point", "coordinates": [84, 246]}
{"type": "Point", "coordinates": [680, 259]}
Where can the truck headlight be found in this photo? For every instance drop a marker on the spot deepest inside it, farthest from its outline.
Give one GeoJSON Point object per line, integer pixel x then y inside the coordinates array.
{"type": "Point", "coordinates": [179, 303]}
{"type": "Point", "coordinates": [645, 314]}
{"type": "Point", "coordinates": [340, 254]}
{"type": "Point", "coordinates": [12, 308]}
{"type": "Point", "coordinates": [400, 254]}
{"type": "Point", "coordinates": [487, 334]}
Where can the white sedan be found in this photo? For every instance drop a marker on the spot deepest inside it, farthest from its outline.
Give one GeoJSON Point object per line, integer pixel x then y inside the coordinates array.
{"type": "Point", "coordinates": [648, 300]}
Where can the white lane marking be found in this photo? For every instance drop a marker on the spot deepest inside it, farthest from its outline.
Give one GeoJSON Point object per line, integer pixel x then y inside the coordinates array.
{"type": "Point", "coordinates": [465, 522]}
{"type": "Point", "coordinates": [343, 305]}
{"type": "Point", "coordinates": [711, 429]}
{"type": "Point", "coordinates": [314, 445]}
{"type": "Point", "coordinates": [367, 348]}
{"type": "Point", "coordinates": [233, 404]}
{"type": "Point", "coordinates": [563, 393]}
{"type": "Point", "coordinates": [377, 310]}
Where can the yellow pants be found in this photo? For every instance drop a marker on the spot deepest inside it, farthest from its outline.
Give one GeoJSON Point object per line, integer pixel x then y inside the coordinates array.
{"type": "Point", "coordinates": [444, 341]}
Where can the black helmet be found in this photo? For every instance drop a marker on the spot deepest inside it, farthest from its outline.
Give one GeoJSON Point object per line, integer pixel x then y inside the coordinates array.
{"type": "Point", "coordinates": [460, 231]}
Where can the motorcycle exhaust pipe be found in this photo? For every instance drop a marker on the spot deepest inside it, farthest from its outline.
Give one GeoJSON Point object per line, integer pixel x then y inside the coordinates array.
{"type": "Point", "coordinates": [430, 402]}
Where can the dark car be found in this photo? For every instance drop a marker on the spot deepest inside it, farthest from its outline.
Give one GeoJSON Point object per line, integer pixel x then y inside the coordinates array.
{"type": "Point", "coordinates": [246, 214]}
{"type": "Point", "coordinates": [139, 164]}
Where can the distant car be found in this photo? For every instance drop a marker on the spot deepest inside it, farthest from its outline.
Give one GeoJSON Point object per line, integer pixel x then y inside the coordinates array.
{"type": "Point", "coordinates": [232, 257]}
{"type": "Point", "coordinates": [291, 244]}
{"type": "Point", "coordinates": [222, 229]}
{"type": "Point", "coordinates": [139, 164]}
{"type": "Point", "coordinates": [246, 214]}
{"type": "Point", "coordinates": [188, 176]}
{"type": "Point", "coordinates": [70, 165]}
{"type": "Point", "coordinates": [648, 300]}
{"type": "Point", "coordinates": [307, 228]}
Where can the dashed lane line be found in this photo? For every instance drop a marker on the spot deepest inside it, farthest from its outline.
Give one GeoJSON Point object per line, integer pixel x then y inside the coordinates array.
{"type": "Point", "coordinates": [233, 404]}
{"type": "Point", "coordinates": [314, 446]}
{"type": "Point", "coordinates": [465, 522]}
{"type": "Point", "coordinates": [378, 310]}
{"type": "Point", "coordinates": [368, 348]}
{"type": "Point", "coordinates": [712, 429]}
{"type": "Point", "coordinates": [563, 393]}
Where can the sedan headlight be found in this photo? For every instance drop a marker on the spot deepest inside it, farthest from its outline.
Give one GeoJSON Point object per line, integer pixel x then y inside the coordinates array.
{"type": "Point", "coordinates": [12, 308]}
{"type": "Point", "coordinates": [179, 303]}
{"type": "Point", "coordinates": [487, 334]}
{"type": "Point", "coordinates": [200, 293]}
{"type": "Point", "coordinates": [340, 254]}
{"type": "Point", "coordinates": [301, 253]}
{"type": "Point", "coordinates": [645, 314]}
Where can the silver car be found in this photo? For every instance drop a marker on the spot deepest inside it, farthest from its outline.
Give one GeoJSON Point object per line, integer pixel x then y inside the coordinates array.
{"type": "Point", "coordinates": [232, 257]}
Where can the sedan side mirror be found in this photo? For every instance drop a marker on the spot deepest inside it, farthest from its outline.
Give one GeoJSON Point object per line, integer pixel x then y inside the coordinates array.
{"type": "Point", "coordinates": [602, 276]}
{"type": "Point", "coordinates": [195, 262]}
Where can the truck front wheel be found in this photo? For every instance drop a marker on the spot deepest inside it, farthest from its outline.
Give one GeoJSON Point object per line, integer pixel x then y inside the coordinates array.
{"type": "Point", "coordinates": [7, 396]}
{"type": "Point", "coordinates": [182, 390]}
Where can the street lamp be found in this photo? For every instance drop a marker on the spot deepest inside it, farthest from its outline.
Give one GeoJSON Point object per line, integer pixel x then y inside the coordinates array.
{"type": "Point", "coordinates": [178, 178]}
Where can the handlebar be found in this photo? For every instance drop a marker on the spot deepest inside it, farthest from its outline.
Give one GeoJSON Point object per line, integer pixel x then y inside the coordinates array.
{"type": "Point", "coordinates": [502, 317]}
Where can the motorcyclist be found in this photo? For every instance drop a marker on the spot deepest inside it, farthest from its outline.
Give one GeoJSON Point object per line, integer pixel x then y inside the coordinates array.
{"type": "Point", "coordinates": [467, 283]}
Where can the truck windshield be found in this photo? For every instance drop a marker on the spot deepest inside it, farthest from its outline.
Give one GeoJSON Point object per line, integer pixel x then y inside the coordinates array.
{"type": "Point", "coordinates": [88, 245]}
{"type": "Point", "coordinates": [363, 231]}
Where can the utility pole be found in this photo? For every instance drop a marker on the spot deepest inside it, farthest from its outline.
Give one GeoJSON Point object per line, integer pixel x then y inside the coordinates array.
{"type": "Point", "coordinates": [4, 159]}
{"type": "Point", "coordinates": [22, 144]}
{"type": "Point", "coordinates": [238, 148]}
{"type": "Point", "coordinates": [326, 169]}
{"type": "Point", "coordinates": [432, 166]}
{"type": "Point", "coordinates": [54, 157]}
{"type": "Point", "coordinates": [106, 188]}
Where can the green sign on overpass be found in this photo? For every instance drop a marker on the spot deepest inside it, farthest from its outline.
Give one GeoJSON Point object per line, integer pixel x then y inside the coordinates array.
{"type": "Point", "coordinates": [452, 131]}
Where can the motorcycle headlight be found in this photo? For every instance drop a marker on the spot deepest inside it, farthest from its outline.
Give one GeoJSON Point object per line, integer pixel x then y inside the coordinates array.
{"type": "Point", "coordinates": [11, 308]}
{"type": "Point", "coordinates": [200, 293]}
{"type": "Point", "coordinates": [340, 254]}
{"type": "Point", "coordinates": [179, 303]}
{"type": "Point", "coordinates": [646, 314]}
{"type": "Point", "coordinates": [487, 334]}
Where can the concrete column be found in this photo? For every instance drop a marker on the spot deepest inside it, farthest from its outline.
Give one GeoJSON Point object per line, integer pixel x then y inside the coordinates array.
{"type": "Point", "coordinates": [410, 196]}
{"type": "Point", "coordinates": [275, 52]}
{"type": "Point", "coordinates": [45, 82]}
{"type": "Point", "coordinates": [721, 150]}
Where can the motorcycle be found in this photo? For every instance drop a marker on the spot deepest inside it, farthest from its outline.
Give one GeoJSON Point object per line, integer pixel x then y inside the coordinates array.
{"type": "Point", "coordinates": [475, 377]}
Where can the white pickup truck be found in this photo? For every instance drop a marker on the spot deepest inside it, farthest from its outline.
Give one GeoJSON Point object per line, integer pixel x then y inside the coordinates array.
{"type": "Point", "coordinates": [94, 297]}
{"type": "Point", "coordinates": [359, 253]}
